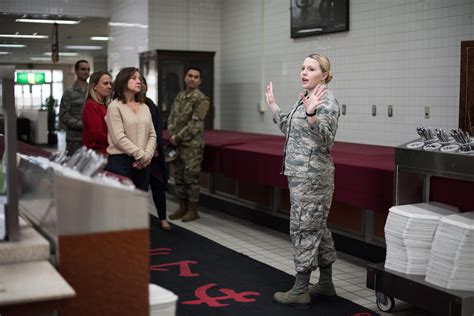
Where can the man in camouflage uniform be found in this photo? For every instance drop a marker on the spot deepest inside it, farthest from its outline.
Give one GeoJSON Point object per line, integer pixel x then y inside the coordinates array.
{"type": "Point", "coordinates": [70, 110]}
{"type": "Point", "coordinates": [186, 130]}
{"type": "Point", "coordinates": [310, 128]}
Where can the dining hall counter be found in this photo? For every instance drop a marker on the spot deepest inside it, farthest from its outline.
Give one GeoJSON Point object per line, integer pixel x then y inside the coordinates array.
{"type": "Point", "coordinates": [92, 234]}
{"type": "Point", "coordinates": [29, 283]}
{"type": "Point", "coordinates": [244, 170]}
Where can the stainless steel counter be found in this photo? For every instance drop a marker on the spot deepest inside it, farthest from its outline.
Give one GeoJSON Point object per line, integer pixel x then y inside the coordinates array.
{"type": "Point", "coordinates": [415, 166]}
{"type": "Point", "coordinates": [63, 205]}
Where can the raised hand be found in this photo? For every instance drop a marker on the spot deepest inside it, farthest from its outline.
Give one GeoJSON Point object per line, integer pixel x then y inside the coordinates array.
{"type": "Point", "coordinates": [270, 98]}
{"type": "Point", "coordinates": [314, 99]}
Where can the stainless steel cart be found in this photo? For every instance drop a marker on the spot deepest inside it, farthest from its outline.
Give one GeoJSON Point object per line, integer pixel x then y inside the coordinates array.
{"type": "Point", "coordinates": [413, 289]}
{"type": "Point", "coordinates": [413, 169]}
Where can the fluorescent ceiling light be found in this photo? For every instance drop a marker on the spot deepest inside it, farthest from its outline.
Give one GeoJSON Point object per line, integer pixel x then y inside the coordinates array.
{"type": "Point", "coordinates": [63, 54]}
{"type": "Point", "coordinates": [48, 21]}
{"type": "Point", "coordinates": [12, 45]}
{"type": "Point", "coordinates": [143, 26]}
{"type": "Point", "coordinates": [5, 53]}
{"type": "Point", "coordinates": [85, 47]}
{"type": "Point", "coordinates": [41, 58]}
{"type": "Point", "coordinates": [24, 36]}
{"type": "Point", "coordinates": [100, 38]}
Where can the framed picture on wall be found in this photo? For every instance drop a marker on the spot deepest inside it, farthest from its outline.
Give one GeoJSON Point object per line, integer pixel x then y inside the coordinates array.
{"type": "Point", "coordinates": [313, 17]}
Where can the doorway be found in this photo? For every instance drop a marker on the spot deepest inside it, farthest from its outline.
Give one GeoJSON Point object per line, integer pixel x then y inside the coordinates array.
{"type": "Point", "coordinates": [164, 71]}
{"type": "Point", "coordinates": [466, 93]}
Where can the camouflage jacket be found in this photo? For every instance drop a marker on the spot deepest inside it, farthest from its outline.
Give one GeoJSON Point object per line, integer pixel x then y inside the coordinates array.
{"type": "Point", "coordinates": [70, 108]}
{"type": "Point", "coordinates": [186, 119]}
{"type": "Point", "coordinates": [308, 146]}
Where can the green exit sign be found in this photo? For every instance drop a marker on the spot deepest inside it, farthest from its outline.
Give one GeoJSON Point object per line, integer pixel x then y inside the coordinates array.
{"type": "Point", "coordinates": [30, 77]}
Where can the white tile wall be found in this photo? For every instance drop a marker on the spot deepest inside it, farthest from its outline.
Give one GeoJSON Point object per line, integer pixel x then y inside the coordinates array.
{"type": "Point", "coordinates": [400, 52]}
{"type": "Point", "coordinates": [185, 25]}
{"type": "Point", "coordinates": [90, 8]}
{"type": "Point", "coordinates": [241, 65]}
{"type": "Point", "coordinates": [405, 53]}
{"type": "Point", "coordinates": [127, 41]}
{"type": "Point", "coordinates": [188, 25]}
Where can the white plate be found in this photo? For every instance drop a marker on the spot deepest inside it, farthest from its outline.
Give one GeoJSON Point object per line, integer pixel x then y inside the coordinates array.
{"type": "Point", "coordinates": [451, 140]}
{"type": "Point", "coordinates": [432, 140]}
{"type": "Point", "coordinates": [415, 145]}
{"type": "Point", "coordinates": [449, 148]}
{"type": "Point", "coordinates": [431, 147]}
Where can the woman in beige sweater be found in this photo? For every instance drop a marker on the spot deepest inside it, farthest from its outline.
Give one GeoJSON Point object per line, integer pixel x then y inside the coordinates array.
{"type": "Point", "coordinates": [131, 135]}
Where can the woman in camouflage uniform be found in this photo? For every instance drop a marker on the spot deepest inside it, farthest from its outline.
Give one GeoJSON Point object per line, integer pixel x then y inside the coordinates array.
{"type": "Point", "coordinates": [310, 128]}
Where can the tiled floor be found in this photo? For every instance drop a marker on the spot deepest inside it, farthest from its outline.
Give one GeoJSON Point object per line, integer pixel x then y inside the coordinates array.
{"type": "Point", "coordinates": [274, 248]}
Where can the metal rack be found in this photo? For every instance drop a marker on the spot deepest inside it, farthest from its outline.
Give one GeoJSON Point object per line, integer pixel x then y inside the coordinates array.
{"type": "Point", "coordinates": [414, 168]}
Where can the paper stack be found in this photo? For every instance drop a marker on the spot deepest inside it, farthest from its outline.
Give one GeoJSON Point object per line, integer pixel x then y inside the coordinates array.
{"type": "Point", "coordinates": [409, 233]}
{"type": "Point", "coordinates": [452, 254]}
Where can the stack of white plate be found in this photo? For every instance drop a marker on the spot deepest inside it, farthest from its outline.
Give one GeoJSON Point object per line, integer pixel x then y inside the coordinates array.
{"type": "Point", "coordinates": [452, 254]}
{"type": "Point", "coordinates": [409, 233]}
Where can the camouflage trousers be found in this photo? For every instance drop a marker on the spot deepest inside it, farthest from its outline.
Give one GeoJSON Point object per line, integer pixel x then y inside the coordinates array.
{"type": "Point", "coordinates": [73, 146]}
{"type": "Point", "coordinates": [187, 167]}
{"type": "Point", "coordinates": [310, 200]}
{"type": "Point", "coordinates": [73, 141]}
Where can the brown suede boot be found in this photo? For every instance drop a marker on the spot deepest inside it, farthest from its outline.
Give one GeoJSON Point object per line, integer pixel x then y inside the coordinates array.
{"type": "Point", "coordinates": [298, 296]}
{"type": "Point", "coordinates": [324, 285]}
{"type": "Point", "coordinates": [192, 213]}
{"type": "Point", "coordinates": [181, 211]}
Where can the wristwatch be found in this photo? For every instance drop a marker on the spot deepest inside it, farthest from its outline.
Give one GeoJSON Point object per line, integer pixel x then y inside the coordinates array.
{"type": "Point", "coordinates": [310, 114]}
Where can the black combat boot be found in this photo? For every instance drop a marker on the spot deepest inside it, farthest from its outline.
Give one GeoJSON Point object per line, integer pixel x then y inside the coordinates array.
{"type": "Point", "coordinates": [298, 297]}
{"type": "Point", "coordinates": [324, 285]}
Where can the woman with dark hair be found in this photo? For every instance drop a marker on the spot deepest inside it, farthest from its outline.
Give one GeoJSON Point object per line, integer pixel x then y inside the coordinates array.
{"type": "Point", "coordinates": [158, 168]}
{"type": "Point", "coordinates": [131, 135]}
{"type": "Point", "coordinates": [94, 133]}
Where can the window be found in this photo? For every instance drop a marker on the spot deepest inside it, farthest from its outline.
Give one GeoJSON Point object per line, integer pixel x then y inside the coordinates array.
{"type": "Point", "coordinates": [34, 95]}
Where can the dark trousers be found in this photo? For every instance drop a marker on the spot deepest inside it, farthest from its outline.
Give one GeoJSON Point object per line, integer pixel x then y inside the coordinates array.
{"type": "Point", "coordinates": [158, 190]}
{"type": "Point", "coordinates": [123, 165]}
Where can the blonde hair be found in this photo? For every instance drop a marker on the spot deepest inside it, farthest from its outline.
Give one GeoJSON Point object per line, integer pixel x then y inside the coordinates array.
{"type": "Point", "coordinates": [324, 64]}
{"type": "Point", "coordinates": [94, 80]}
